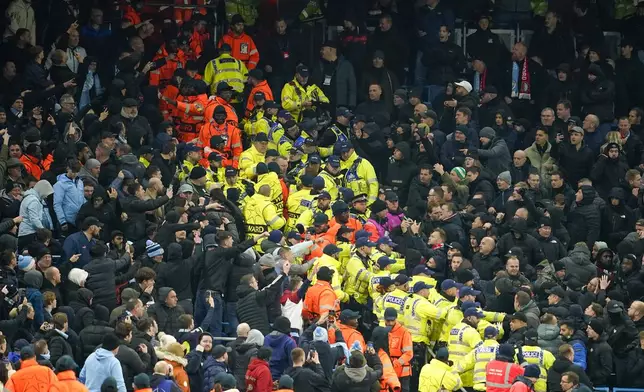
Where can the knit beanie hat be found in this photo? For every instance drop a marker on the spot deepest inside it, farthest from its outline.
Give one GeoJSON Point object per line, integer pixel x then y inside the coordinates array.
{"type": "Point", "coordinates": [282, 324]}
{"type": "Point", "coordinates": [532, 371]}
{"type": "Point", "coordinates": [109, 385]}
{"type": "Point", "coordinates": [505, 177]}
{"type": "Point", "coordinates": [286, 382]}
{"type": "Point", "coordinates": [141, 381]}
{"type": "Point", "coordinates": [460, 172]}
{"type": "Point", "coordinates": [153, 249]}
{"type": "Point", "coordinates": [197, 173]}
{"type": "Point", "coordinates": [26, 263]}
{"type": "Point", "coordinates": [596, 326]}
{"type": "Point", "coordinates": [320, 335]}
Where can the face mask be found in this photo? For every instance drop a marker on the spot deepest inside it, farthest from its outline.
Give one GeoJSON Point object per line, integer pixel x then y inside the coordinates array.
{"type": "Point", "coordinates": [46, 356]}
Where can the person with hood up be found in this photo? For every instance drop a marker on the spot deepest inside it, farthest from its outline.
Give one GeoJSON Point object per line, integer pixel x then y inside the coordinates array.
{"type": "Point", "coordinates": [401, 172]}
{"type": "Point", "coordinates": [34, 212]}
{"type": "Point", "coordinates": [84, 315]}
{"type": "Point", "coordinates": [136, 208]}
{"type": "Point", "coordinates": [597, 95]}
{"type": "Point", "coordinates": [584, 221]}
{"type": "Point", "coordinates": [65, 368]}
{"type": "Point", "coordinates": [370, 144]}
{"type": "Point", "coordinates": [106, 273]}
{"type": "Point", "coordinates": [579, 267]}
{"type": "Point", "coordinates": [600, 354]}
{"type": "Point", "coordinates": [101, 208]}
{"type": "Point", "coordinates": [617, 218]}
{"type": "Point", "coordinates": [166, 311]}
{"type": "Point", "coordinates": [610, 170]}
{"type": "Point", "coordinates": [525, 383]}
{"type": "Point", "coordinates": [361, 372]}
{"type": "Point", "coordinates": [33, 282]}
{"type": "Point", "coordinates": [177, 269]}
{"type": "Point", "coordinates": [494, 153]}
{"type": "Point", "coordinates": [258, 375]}
{"type": "Point", "coordinates": [102, 364]}
{"type": "Point", "coordinates": [244, 353]}
{"type": "Point", "coordinates": [69, 192]}
{"type": "Point", "coordinates": [518, 237]}
{"type": "Point", "coordinates": [281, 344]}
{"type": "Point", "coordinates": [453, 151]}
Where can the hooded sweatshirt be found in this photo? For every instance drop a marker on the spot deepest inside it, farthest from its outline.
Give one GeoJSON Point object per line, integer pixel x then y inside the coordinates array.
{"type": "Point", "coordinates": [579, 267]}
{"type": "Point", "coordinates": [33, 210]}
{"type": "Point", "coordinates": [100, 365]}
{"type": "Point", "coordinates": [282, 345]}
{"type": "Point", "coordinates": [400, 173]}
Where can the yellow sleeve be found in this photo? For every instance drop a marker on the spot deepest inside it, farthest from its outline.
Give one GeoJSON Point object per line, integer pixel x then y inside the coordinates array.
{"type": "Point", "coordinates": [427, 310]}
{"type": "Point", "coordinates": [399, 266]}
{"type": "Point", "coordinates": [452, 382]}
{"type": "Point", "coordinates": [451, 320]}
{"type": "Point", "coordinates": [466, 363]}
{"type": "Point", "coordinates": [493, 317]}
{"type": "Point", "coordinates": [306, 219]}
{"type": "Point", "coordinates": [209, 73]}
{"type": "Point", "coordinates": [289, 98]}
{"type": "Point", "coordinates": [369, 174]}
{"type": "Point", "coordinates": [336, 284]}
{"type": "Point", "coordinates": [273, 219]}
{"type": "Point", "coordinates": [321, 97]}
{"type": "Point", "coordinates": [260, 127]}
{"type": "Point", "coordinates": [472, 338]}
{"type": "Point", "coordinates": [548, 359]}
{"type": "Point", "coordinates": [284, 148]}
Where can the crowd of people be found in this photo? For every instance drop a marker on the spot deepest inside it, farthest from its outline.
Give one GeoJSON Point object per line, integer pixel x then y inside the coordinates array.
{"type": "Point", "coordinates": [179, 213]}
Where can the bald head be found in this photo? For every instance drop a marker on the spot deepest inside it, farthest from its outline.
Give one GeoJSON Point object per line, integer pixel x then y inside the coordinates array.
{"type": "Point", "coordinates": [487, 245]}
{"type": "Point", "coordinates": [162, 367]}
{"type": "Point", "coordinates": [265, 190]}
{"type": "Point", "coordinates": [519, 158]}
{"type": "Point", "coordinates": [242, 330]}
{"type": "Point", "coordinates": [420, 108]}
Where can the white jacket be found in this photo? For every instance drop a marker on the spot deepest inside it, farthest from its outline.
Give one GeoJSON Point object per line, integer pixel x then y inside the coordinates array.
{"type": "Point", "coordinates": [22, 16]}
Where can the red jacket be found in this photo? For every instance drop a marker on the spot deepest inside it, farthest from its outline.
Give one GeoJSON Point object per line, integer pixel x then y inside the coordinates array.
{"type": "Point", "coordinates": [500, 375]}
{"type": "Point", "coordinates": [521, 386]}
{"type": "Point", "coordinates": [258, 376]}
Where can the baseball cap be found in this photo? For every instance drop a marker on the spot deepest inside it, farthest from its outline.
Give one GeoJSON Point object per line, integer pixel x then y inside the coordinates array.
{"type": "Point", "coordinates": [271, 105]}
{"type": "Point", "coordinates": [449, 283]}
{"type": "Point", "coordinates": [473, 312]}
{"type": "Point", "coordinates": [360, 197]}
{"type": "Point", "coordinates": [401, 279]}
{"type": "Point", "coordinates": [391, 196]}
{"type": "Point", "coordinates": [230, 172]}
{"type": "Point", "coordinates": [302, 70]}
{"type": "Point", "coordinates": [333, 161]}
{"type": "Point", "coordinates": [324, 195]}
{"type": "Point", "coordinates": [520, 316]}
{"type": "Point", "coordinates": [384, 261]}
{"type": "Point", "coordinates": [345, 229]}
{"type": "Point", "coordinates": [465, 84]}
{"type": "Point", "coordinates": [344, 112]}
{"type": "Point", "coordinates": [331, 249]}
{"type": "Point", "coordinates": [558, 291]}
{"type": "Point", "coordinates": [386, 281]}
{"type": "Point", "coordinates": [191, 148]}
{"type": "Point", "coordinates": [320, 219]}
{"type": "Point", "coordinates": [364, 241]}
{"type": "Point", "coordinates": [391, 314]}
{"type": "Point", "coordinates": [465, 290]}
{"type": "Point", "coordinates": [422, 269]}
{"type": "Point", "coordinates": [261, 137]}
{"type": "Point", "coordinates": [344, 147]}
{"type": "Point", "coordinates": [421, 286]}
{"type": "Point", "coordinates": [614, 307]}
{"type": "Point", "coordinates": [185, 188]}
{"type": "Point", "coordinates": [349, 314]}
{"type": "Point", "coordinates": [385, 240]}
{"type": "Point", "coordinates": [294, 235]}
{"type": "Point", "coordinates": [577, 130]}
{"type": "Point", "coordinates": [219, 350]}
{"type": "Point", "coordinates": [92, 221]}
{"type": "Point", "coordinates": [13, 162]}
{"type": "Point", "coordinates": [490, 332]}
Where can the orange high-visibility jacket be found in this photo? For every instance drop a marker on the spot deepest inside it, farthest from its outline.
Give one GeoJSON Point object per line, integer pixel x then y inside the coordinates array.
{"type": "Point", "coordinates": [182, 15]}
{"type": "Point", "coordinates": [172, 92]}
{"type": "Point", "coordinates": [401, 350]}
{"type": "Point", "coordinates": [243, 48]}
{"type": "Point", "coordinates": [190, 116]}
{"type": "Point", "coordinates": [231, 115]}
{"type": "Point", "coordinates": [262, 87]}
{"type": "Point", "coordinates": [228, 132]}
{"type": "Point", "coordinates": [162, 75]}
{"type": "Point", "coordinates": [389, 380]}
{"type": "Point", "coordinates": [319, 300]}
{"type": "Point", "coordinates": [349, 334]}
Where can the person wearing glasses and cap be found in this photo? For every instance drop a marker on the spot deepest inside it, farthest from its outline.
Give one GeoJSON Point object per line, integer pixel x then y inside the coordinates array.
{"type": "Point", "coordinates": [298, 95]}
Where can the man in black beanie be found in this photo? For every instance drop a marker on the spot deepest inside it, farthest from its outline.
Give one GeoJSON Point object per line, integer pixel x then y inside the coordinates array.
{"type": "Point", "coordinates": [282, 344]}
{"type": "Point", "coordinates": [599, 354]}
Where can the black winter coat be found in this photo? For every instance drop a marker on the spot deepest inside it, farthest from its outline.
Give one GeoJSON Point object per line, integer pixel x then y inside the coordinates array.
{"type": "Point", "coordinates": [495, 156]}
{"type": "Point", "coordinates": [217, 264]}
{"type": "Point", "coordinates": [244, 353]}
{"type": "Point", "coordinates": [400, 173]}
{"type": "Point", "coordinates": [551, 247]}
{"type": "Point", "coordinates": [132, 363]}
{"type": "Point", "coordinates": [584, 220]}
{"type": "Point", "coordinates": [341, 382]}
{"type": "Point", "coordinates": [242, 265]}
{"type": "Point", "coordinates": [136, 208]}
{"type": "Point", "coordinates": [559, 367]}
{"type": "Point", "coordinates": [167, 318]}
{"type": "Point", "coordinates": [418, 192]}
{"type": "Point", "coordinates": [483, 186]}
{"type": "Point", "coordinates": [58, 346]}
{"type": "Point", "coordinates": [487, 265]}
{"type": "Point", "coordinates": [176, 271]}
{"type": "Point", "coordinates": [104, 275]}
{"type": "Point", "coordinates": [309, 378]}
{"type": "Point", "coordinates": [168, 168]}
{"type": "Point", "coordinates": [91, 337]}
{"type": "Point", "coordinates": [252, 304]}
{"type": "Point", "coordinates": [574, 163]}
{"type": "Point", "coordinates": [599, 359]}
{"type": "Point", "coordinates": [598, 97]}
{"type": "Point", "coordinates": [607, 174]}
{"type": "Point", "coordinates": [445, 63]}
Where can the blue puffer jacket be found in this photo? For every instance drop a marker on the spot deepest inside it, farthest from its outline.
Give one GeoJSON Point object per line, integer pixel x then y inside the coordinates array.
{"type": "Point", "coordinates": [32, 209]}
{"type": "Point", "coordinates": [282, 345]}
{"type": "Point", "coordinates": [212, 368]}
{"type": "Point", "coordinates": [68, 198]}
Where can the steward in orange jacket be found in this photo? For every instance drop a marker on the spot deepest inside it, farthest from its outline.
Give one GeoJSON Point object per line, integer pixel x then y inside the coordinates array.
{"type": "Point", "coordinates": [342, 217]}
{"type": "Point", "coordinates": [174, 57]}
{"type": "Point", "coordinates": [242, 45]}
{"type": "Point", "coordinates": [183, 15]}
{"type": "Point", "coordinates": [228, 134]}
{"type": "Point", "coordinates": [256, 79]}
{"type": "Point", "coordinates": [33, 377]}
{"type": "Point", "coordinates": [389, 380]}
{"type": "Point", "coordinates": [68, 379]}
{"type": "Point", "coordinates": [401, 349]}
{"type": "Point", "coordinates": [171, 91]}
{"type": "Point", "coordinates": [320, 298]}
{"type": "Point", "coordinates": [348, 325]}
{"type": "Point", "coordinates": [33, 162]}
{"type": "Point", "coordinates": [191, 106]}
{"type": "Point", "coordinates": [223, 97]}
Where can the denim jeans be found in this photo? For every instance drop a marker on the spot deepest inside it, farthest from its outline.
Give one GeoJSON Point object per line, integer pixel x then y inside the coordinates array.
{"type": "Point", "coordinates": [201, 310]}
{"type": "Point", "coordinates": [231, 318]}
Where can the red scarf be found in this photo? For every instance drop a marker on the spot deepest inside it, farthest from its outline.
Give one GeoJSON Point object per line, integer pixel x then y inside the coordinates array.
{"type": "Point", "coordinates": [524, 87]}
{"type": "Point", "coordinates": [482, 79]}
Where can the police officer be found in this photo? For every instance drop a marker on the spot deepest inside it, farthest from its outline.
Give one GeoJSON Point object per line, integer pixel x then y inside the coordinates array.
{"type": "Point", "coordinates": [360, 175]}
{"type": "Point", "coordinates": [531, 354]}
{"type": "Point", "coordinates": [226, 68]}
{"type": "Point", "coordinates": [478, 359]}
{"type": "Point", "coordinates": [419, 314]}
{"type": "Point", "coordinates": [340, 130]}
{"type": "Point", "coordinates": [333, 178]}
{"type": "Point", "coordinates": [298, 95]}
{"type": "Point", "coordinates": [397, 298]}
{"type": "Point", "coordinates": [359, 208]}
{"type": "Point", "coordinates": [464, 338]}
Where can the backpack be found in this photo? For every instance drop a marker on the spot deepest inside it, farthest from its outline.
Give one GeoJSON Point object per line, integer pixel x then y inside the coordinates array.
{"type": "Point", "coordinates": [164, 386]}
